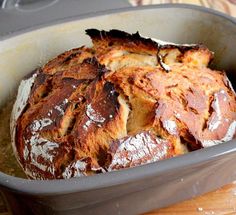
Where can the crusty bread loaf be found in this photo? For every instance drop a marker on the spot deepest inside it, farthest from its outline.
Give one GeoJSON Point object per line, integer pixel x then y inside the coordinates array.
{"type": "Point", "coordinates": [124, 102]}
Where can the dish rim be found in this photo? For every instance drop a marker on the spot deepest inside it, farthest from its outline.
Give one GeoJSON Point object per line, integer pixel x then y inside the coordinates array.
{"type": "Point", "coordinates": [99, 181]}
{"type": "Point", "coordinates": [113, 11]}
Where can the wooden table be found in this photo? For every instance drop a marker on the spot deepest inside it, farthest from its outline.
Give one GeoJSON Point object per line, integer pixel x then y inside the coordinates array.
{"type": "Point", "coordinates": [225, 6]}
{"type": "Point", "coordinates": [219, 202]}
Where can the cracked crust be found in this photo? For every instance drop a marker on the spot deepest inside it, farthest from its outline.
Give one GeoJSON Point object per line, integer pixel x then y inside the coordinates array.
{"type": "Point", "coordinates": [117, 49]}
{"type": "Point", "coordinates": [124, 102]}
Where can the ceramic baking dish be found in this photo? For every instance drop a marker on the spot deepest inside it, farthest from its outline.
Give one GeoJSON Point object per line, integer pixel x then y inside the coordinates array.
{"type": "Point", "coordinates": [135, 190]}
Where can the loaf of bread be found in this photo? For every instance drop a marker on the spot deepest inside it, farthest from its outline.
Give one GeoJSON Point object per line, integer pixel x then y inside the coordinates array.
{"type": "Point", "coordinates": [124, 102]}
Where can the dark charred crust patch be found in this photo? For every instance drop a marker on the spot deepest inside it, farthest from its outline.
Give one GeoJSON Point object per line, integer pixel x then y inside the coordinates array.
{"type": "Point", "coordinates": [71, 56]}
{"type": "Point", "coordinates": [190, 141]}
{"type": "Point", "coordinates": [41, 78]}
{"type": "Point", "coordinates": [110, 90]}
{"type": "Point", "coordinates": [105, 104]}
{"type": "Point", "coordinates": [183, 48]}
{"type": "Point", "coordinates": [120, 35]}
{"type": "Point", "coordinates": [29, 75]}
{"type": "Point", "coordinates": [101, 69]}
{"type": "Point", "coordinates": [42, 87]}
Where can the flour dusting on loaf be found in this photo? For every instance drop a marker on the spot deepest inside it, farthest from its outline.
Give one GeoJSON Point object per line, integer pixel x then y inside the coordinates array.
{"type": "Point", "coordinates": [124, 102]}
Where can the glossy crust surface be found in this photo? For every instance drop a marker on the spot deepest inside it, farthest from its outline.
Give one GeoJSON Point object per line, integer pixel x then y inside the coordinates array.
{"type": "Point", "coordinates": [125, 102]}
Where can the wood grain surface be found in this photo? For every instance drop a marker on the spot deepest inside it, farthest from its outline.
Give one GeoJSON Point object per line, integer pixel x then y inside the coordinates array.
{"type": "Point", "coordinates": [219, 202]}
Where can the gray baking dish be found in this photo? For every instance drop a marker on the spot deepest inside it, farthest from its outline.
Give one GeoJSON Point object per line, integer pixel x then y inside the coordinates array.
{"type": "Point", "coordinates": [135, 190]}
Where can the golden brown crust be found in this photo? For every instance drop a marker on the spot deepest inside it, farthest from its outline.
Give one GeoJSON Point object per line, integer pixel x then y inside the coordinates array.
{"type": "Point", "coordinates": [95, 109]}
